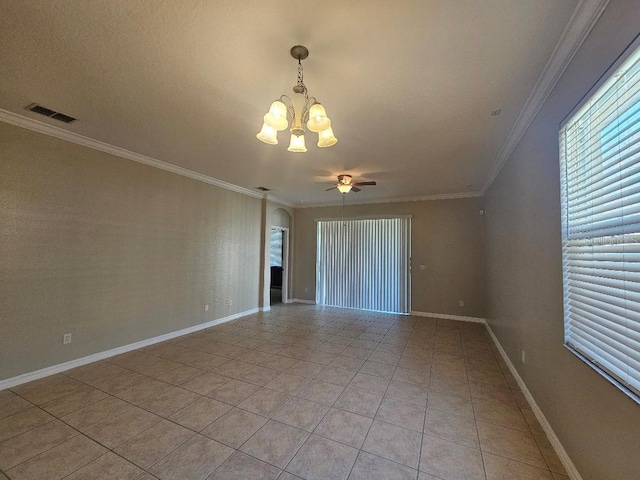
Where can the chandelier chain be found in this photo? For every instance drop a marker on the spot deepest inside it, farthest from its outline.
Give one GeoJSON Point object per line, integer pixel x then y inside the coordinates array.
{"type": "Point", "coordinates": [301, 79]}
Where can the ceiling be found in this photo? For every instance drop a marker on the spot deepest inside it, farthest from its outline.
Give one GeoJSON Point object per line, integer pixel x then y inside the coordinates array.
{"type": "Point", "coordinates": [409, 85]}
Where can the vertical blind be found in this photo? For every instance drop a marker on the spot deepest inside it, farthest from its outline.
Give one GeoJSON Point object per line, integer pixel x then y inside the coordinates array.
{"type": "Point", "coordinates": [600, 170]}
{"type": "Point", "coordinates": [364, 264]}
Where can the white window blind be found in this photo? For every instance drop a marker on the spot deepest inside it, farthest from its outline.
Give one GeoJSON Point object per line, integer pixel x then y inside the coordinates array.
{"type": "Point", "coordinates": [600, 170]}
{"type": "Point", "coordinates": [364, 264]}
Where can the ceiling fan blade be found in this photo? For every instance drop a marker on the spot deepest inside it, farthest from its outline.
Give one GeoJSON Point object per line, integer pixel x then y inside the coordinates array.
{"type": "Point", "coordinates": [355, 189]}
{"type": "Point", "coordinates": [329, 189]}
{"type": "Point", "coordinates": [360, 184]}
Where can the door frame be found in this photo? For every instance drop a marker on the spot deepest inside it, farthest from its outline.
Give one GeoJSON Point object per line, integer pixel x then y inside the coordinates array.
{"type": "Point", "coordinates": [408, 259]}
{"type": "Point", "coordinates": [285, 263]}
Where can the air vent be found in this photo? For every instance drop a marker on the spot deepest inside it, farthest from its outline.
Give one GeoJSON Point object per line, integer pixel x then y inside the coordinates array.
{"type": "Point", "coordinates": [47, 112]}
{"type": "Point", "coordinates": [263, 189]}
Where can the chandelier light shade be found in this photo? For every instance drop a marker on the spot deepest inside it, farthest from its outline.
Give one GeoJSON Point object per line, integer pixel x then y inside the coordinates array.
{"type": "Point", "coordinates": [297, 112]}
{"type": "Point", "coordinates": [268, 134]}
{"type": "Point", "coordinates": [277, 116]}
{"type": "Point", "coordinates": [297, 144]}
{"type": "Point", "coordinates": [326, 138]}
{"type": "Point", "coordinates": [318, 119]}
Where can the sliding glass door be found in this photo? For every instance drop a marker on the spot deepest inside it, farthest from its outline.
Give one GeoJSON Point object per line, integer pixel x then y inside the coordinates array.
{"type": "Point", "coordinates": [364, 264]}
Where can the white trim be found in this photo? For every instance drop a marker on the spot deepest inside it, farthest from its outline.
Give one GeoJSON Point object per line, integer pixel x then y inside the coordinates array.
{"type": "Point", "coordinates": [78, 362]}
{"type": "Point", "coordinates": [264, 309]}
{"type": "Point", "coordinates": [571, 469]}
{"type": "Point", "coordinates": [57, 132]}
{"type": "Point", "coordinates": [299, 300]}
{"type": "Point", "coordinates": [53, 131]}
{"type": "Point", "coordinates": [582, 21]}
{"type": "Point", "coordinates": [446, 316]}
{"type": "Point", "coordinates": [274, 199]}
{"type": "Point", "coordinates": [416, 198]}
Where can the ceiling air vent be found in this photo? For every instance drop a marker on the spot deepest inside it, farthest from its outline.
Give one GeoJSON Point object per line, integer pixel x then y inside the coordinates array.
{"type": "Point", "coordinates": [263, 189]}
{"type": "Point", "coordinates": [47, 112]}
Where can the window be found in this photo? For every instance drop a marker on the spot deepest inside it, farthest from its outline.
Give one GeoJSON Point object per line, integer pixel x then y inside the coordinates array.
{"type": "Point", "coordinates": [600, 170]}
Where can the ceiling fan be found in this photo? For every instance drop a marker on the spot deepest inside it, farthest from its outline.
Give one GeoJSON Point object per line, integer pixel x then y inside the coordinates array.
{"type": "Point", "coordinates": [346, 185]}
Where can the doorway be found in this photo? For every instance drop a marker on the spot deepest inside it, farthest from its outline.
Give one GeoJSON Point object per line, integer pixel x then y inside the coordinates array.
{"type": "Point", "coordinates": [365, 264]}
{"type": "Point", "coordinates": [278, 255]}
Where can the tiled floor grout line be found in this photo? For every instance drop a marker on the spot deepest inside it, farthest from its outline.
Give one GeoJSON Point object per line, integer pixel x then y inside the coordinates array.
{"type": "Point", "coordinates": [424, 420]}
{"type": "Point", "coordinates": [309, 433]}
{"type": "Point", "coordinates": [374, 419]}
{"type": "Point", "coordinates": [312, 335]}
{"type": "Point", "coordinates": [312, 432]}
{"type": "Point", "coordinates": [473, 407]}
{"type": "Point", "coordinates": [327, 412]}
{"type": "Point", "coordinates": [113, 450]}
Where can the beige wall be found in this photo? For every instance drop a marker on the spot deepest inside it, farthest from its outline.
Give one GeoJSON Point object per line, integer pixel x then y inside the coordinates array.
{"type": "Point", "coordinates": [597, 424]}
{"type": "Point", "coordinates": [111, 251]}
{"type": "Point", "coordinates": [446, 237]}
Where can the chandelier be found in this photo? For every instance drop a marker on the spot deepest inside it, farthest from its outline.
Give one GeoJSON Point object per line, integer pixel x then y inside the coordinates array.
{"type": "Point", "coordinates": [297, 111]}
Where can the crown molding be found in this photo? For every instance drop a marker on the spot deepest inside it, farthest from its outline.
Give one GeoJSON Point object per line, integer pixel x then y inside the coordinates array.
{"type": "Point", "coordinates": [582, 21]}
{"type": "Point", "coordinates": [280, 201]}
{"type": "Point", "coordinates": [416, 198]}
{"type": "Point", "coordinates": [57, 132]}
{"type": "Point", "coordinates": [53, 131]}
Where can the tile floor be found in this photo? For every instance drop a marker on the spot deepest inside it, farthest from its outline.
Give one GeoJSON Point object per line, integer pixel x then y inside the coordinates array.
{"type": "Point", "coordinates": [297, 392]}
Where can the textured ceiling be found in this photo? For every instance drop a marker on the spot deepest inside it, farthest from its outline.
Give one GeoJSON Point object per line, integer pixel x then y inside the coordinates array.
{"type": "Point", "coordinates": [409, 85]}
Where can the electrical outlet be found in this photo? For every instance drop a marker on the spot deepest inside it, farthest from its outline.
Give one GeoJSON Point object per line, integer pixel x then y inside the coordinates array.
{"type": "Point", "coordinates": [228, 302]}
{"type": "Point", "coordinates": [423, 267]}
{"type": "Point", "coordinates": [306, 290]}
{"type": "Point", "coordinates": [66, 339]}
{"type": "Point", "coordinates": [461, 303]}
{"type": "Point", "coordinates": [206, 307]}
{"type": "Point", "coordinates": [523, 356]}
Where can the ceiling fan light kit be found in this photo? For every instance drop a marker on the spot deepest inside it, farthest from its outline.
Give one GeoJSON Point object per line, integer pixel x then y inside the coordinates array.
{"type": "Point", "coordinates": [299, 111]}
{"type": "Point", "coordinates": [342, 188]}
{"type": "Point", "coordinates": [345, 184]}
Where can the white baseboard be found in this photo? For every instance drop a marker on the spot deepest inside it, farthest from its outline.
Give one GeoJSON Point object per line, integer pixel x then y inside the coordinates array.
{"type": "Point", "coordinates": [265, 309]}
{"type": "Point", "coordinates": [78, 362]}
{"type": "Point", "coordinates": [299, 300]}
{"type": "Point", "coordinates": [546, 426]}
{"type": "Point", "coordinates": [449, 317]}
